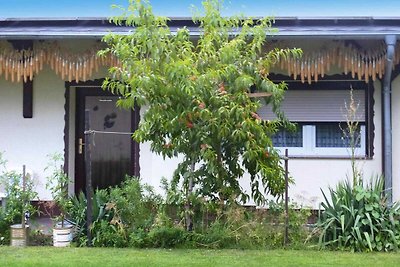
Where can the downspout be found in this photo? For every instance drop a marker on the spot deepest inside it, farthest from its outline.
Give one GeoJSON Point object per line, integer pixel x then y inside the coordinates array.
{"type": "Point", "coordinates": [387, 117]}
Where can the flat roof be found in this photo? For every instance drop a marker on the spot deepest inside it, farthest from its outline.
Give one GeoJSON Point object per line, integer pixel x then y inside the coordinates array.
{"type": "Point", "coordinates": [289, 27]}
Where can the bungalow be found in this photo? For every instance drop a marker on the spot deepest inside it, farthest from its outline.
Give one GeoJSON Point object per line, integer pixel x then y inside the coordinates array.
{"type": "Point", "coordinates": [50, 73]}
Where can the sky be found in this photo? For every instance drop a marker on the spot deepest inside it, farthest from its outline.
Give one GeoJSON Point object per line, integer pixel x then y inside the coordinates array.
{"type": "Point", "coordinates": [181, 8]}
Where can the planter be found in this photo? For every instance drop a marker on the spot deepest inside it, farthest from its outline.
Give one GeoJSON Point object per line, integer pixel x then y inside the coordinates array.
{"type": "Point", "coordinates": [62, 236]}
{"type": "Point", "coordinates": [19, 235]}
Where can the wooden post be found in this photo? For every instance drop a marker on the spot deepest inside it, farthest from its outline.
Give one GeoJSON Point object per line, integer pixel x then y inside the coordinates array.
{"type": "Point", "coordinates": [23, 193]}
{"type": "Point", "coordinates": [27, 99]}
{"type": "Point", "coordinates": [88, 170]}
{"type": "Point", "coordinates": [286, 240]}
{"type": "Point", "coordinates": [27, 96]}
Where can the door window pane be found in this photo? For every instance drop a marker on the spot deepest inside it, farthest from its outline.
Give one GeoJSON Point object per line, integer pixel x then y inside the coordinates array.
{"type": "Point", "coordinates": [111, 153]}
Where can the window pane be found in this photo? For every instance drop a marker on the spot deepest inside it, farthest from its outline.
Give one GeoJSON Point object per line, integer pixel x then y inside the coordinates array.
{"type": "Point", "coordinates": [335, 134]}
{"type": "Point", "coordinates": [284, 138]}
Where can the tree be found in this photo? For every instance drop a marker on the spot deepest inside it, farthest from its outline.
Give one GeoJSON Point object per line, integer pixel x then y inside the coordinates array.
{"type": "Point", "coordinates": [195, 92]}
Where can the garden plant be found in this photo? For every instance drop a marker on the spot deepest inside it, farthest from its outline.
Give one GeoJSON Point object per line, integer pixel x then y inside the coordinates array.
{"type": "Point", "coordinates": [356, 214]}
{"type": "Point", "coordinates": [196, 98]}
{"type": "Point", "coordinates": [18, 199]}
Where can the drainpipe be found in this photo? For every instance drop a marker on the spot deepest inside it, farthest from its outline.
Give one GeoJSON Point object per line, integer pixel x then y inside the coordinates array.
{"type": "Point", "coordinates": [387, 119]}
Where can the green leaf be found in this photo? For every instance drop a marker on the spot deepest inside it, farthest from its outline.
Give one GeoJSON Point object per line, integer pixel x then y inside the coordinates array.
{"type": "Point", "coordinates": [368, 240]}
{"type": "Point", "coordinates": [359, 196]}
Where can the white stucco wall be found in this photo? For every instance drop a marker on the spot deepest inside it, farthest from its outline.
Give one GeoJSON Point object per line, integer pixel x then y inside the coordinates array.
{"type": "Point", "coordinates": [29, 141]}
{"type": "Point", "coordinates": [396, 137]}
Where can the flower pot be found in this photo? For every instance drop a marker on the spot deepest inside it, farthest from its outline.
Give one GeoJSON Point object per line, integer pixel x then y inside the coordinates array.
{"type": "Point", "coordinates": [19, 235]}
{"type": "Point", "coordinates": [62, 236]}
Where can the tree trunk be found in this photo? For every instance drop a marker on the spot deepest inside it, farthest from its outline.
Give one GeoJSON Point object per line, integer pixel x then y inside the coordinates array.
{"type": "Point", "coordinates": [188, 206]}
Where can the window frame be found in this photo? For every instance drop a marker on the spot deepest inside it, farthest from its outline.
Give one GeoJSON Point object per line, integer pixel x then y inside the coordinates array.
{"type": "Point", "coordinates": [310, 148]}
{"type": "Point", "coordinates": [334, 82]}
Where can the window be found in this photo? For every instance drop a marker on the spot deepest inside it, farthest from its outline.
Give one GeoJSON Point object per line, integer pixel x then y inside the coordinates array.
{"type": "Point", "coordinates": [336, 135]}
{"type": "Point", "coordinates": [320, 116]}
{"type": "Point", "coordinates": [320, 139]}
{"type": "Point", "coordinates": [284, 138]}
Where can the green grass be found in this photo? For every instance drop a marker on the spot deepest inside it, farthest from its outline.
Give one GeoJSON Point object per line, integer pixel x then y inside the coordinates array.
{"type": "Point", "coordinates": [49, 256]}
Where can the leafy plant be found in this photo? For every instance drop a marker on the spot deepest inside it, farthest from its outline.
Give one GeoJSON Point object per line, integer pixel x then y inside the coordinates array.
{"type": "Point", "coordinates": [117, 212]}
{"type": "Point", "coordinates": [356, 216]}
{"type": "Point", "coordinates": [197, 99]}
{"type": "Point", "coordinates": [239, 227]}
{"type": "Point", "coordinates": [19, 194]}
{"type": "Point", "coordinates": [78, 213]}
{"type": "Point", "coordinates": [359, 218]}
{"type": "Point", "coordinates": [57, 183]}
{"type": "Point", "coordinates": [38, 238]}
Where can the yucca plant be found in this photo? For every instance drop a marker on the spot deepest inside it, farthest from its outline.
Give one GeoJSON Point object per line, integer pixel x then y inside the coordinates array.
{"type": "Point", "coordinates": [358, 218]}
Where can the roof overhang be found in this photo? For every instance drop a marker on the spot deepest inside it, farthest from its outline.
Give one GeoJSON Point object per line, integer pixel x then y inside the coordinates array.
{"type": "Point", "coordinates": [288, 27]}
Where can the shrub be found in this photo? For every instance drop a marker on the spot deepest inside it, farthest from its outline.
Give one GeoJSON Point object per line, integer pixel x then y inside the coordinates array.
{"type": "Point", "coordinates": [132, 215]}
{"type": "Point", "coordinates": [38, 238]}
{"type": "Point", "coordinates": [18, 200]}
{"type": "Point", "coordinates": [118, 213]}
{"type": "Point", "coordinates": [167, 237]}
{"type": "Point", "coordinates": [358, 218]}
{"type": "Point", "coordinates": [57, 183]}
{"type": "Point", "coordinates": [106, 234]}
{"type": "Point", "coordinates": [239, 227]}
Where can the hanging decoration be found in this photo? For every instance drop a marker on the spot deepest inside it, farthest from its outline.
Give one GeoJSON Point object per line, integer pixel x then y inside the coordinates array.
{"type": "Point", "coordinates": [17, 65]}
{"type": "Point", "coordinates": [361, 64]}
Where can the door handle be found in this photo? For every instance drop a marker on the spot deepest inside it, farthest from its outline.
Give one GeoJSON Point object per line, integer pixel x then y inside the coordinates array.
{"type": "Point", "coordinates": [80, 145]}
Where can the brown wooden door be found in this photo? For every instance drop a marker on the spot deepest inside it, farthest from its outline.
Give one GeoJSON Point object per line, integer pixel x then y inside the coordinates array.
{"type": "Point", "coordinates": [113, 155]}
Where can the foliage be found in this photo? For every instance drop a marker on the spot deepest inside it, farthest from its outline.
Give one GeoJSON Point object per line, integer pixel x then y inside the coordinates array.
{"type": "Point", "coordinates": [18, 199]}
{"type": "Point", "coordinates": [117, 212]}
{"type": "Point", "coordinates": [242, 228]}
{"type": "Point", "coordinates": [132, 215]}
{"type": "Point", "coordinates": [167, 237]}
{"type": "Point", "coordinates": [38, 238]}
{"type": "Point", "coordinates": [196, 97]}
{"type": "Point", "coordinates": [57, 183]}
{"type": "Point", "coordinates": [4, 230]}
{"type": "Point", "coordinates": [352, 133]}
{"type": "Point", "coordinates": [359, 218]}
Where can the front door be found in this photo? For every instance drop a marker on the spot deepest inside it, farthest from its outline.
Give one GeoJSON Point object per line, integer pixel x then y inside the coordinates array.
{"type": "Point", "coordinates": [113, 152]}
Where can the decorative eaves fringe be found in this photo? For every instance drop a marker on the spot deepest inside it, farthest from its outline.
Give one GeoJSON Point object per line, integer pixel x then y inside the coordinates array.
{"type": "Point", "coordinates": [364, 65]}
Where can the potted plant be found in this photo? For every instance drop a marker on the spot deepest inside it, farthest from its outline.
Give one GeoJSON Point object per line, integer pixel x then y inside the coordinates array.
{"type": "Point", "coordinates": [16, 204]}
{"type": "Point", "coordinates": [57, 183]}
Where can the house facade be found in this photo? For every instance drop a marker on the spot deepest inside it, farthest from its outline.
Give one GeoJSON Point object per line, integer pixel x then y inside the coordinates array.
{"type": "Point", "coordinates": [50, 75]}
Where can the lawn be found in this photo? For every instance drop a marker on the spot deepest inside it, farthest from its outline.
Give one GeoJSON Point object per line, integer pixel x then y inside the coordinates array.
{"type": "Point", "coordinates": [49, 256]}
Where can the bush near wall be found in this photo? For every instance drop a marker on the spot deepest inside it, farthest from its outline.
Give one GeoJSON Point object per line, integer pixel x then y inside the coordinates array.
{"type": "Point", "coordinates": [18, 200]}
{"type": "Point", "coordinates": [359, 218]}
{"type": "Point", "coordinates": [132, 215]}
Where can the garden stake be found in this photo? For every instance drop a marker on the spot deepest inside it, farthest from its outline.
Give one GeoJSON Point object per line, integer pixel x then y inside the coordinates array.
{"type": "Point", "coordinates": [23, 193]}
{"type": "Point", "coordinates": [286, 240]}
{"type": "Point", "coordinates": [88, 169]}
